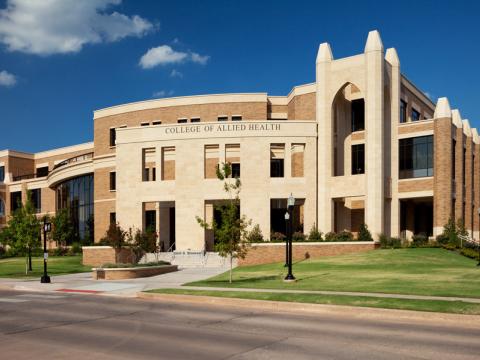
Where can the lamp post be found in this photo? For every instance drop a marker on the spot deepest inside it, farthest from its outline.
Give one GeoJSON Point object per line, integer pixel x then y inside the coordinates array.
{"type": "Point", "coordinates": [287, 222]}
{"type": "Point", "coordinates": [290, 205]}
{"type": "Point", "coordinates": [47, 227]}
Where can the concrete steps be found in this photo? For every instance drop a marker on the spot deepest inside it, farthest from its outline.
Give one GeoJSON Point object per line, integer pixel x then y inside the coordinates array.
{"type": "Point", "coordinates": [191, 259]}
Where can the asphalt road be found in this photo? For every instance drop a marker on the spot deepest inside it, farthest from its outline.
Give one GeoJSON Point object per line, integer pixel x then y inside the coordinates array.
{"type": "Point", "coordinates": [89, 327]}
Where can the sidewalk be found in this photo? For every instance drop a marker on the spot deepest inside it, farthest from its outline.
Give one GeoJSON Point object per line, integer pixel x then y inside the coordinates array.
{"type": "Point", "coordinates": [83, 282]}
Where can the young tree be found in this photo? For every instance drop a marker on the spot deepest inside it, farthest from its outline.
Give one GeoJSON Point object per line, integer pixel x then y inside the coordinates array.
{"type": "Point", "coordinates": [63, 230]}
{"type": "Point", "coordinates": [231, 233]}
{"type": "Point", "coordinates": [24, 230]}
{"type": "Point", "coordinates": [115, 237]}
{"type": "Point", "coordinates": [364, 234]}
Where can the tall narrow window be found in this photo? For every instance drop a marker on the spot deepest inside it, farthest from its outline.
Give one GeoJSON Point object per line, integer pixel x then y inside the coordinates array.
{"type": "Point", "coordinates": [298, 155]}
{"type": "Point", "coordinates": [232, 156]}
{"type": "Point", "coordinates": [403, 111]}
{"type": "Point", "coordinates": [36, 199]}
{"type": "Point", "coordinates": [168, 163]}
{"type": "Point", "coordinates": [454, 149]}
{"type": "Point", "coordinates": [358, 115]}
{"type": "Point", "coordinates": [113, 218]}
{"type": "Point", "coordinates": [463, 166]}
{"type": "Point", "coordinates": [211, 161]}
{"type": "Point", "coordinates": [416, 157]}
{"type": "Point", "coordinates": [358, 159]}
{"type": "Point", "coordinates": [113, 181]}
{"type": "Point", "coordinates": [148, 160]}
{"type": "Point", "coordinates": [2, 173]}
{"type": "Point", "coordinates": [112, 136]}
{"type": "Point", "coordinates": [2, 208]}
{"type": "Point", "coordinates": [277, 157]}
{"type": "Point", "coordinates": [15, 200]}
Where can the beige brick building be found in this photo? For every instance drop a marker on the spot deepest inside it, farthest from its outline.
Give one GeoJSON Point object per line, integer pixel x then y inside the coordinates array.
{"type": "Point", "coordinates": [361, 144]}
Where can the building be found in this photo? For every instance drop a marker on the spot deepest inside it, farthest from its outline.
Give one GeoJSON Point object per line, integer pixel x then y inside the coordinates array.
{"type": "Point", "coordinates": [360, 144]}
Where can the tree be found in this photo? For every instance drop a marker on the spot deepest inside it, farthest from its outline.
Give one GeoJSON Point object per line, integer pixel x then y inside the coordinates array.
{"type": "Point", "coordinates": [364, 234]}
{"type": "Point", "coordinates": [63, 230]}
{"type": "Point", "coordinates": [231, 233]}
{"type": "Point", "coordinates": [142, 242]}
{"type": "Point", "coordinates": [24, 230]}
{"type": "Point", "coordinates": [314, 234]}
{"type": "Point", "coordinates": [114, 237]}
{"type": "Point", "coordinates": [255, 235]}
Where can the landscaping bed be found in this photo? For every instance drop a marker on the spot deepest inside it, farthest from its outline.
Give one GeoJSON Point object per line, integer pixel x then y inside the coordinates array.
{"type": "Point", "coordinates": [131, 271]}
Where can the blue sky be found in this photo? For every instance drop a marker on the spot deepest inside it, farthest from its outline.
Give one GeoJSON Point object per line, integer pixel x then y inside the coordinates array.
{"type": "Point", "coordinates": [75, 58]}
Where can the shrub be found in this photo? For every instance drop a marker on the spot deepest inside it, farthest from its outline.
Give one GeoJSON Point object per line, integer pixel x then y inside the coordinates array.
{"type": "Point", "coordinates": [255, 235]}
{"type": "Point", "coordinates": [344, 236]}
{"type": "Point", "coordinates": [396, 242]}
{"type": "Point", "coordinates": [387, 242]}
{"type": "Point", "coordinates": [114, 237]}
{"type": "Point", "coordinates": [75, 249]}
{"type": "Point", "coordinates": [298, 236]}
{"type": "Point", "coordinates": [314, 234]}
{"type": "Point", "coordinates": [442, 239]}
{"type": "Point", "coordinates": [473, 254]}
{"type": "Point", "coordinates": [59, 251]}
{"type": "Point", "coordinates": [330, 236]}
{"type": "Point", "coordinates": [277, 237]}
{"type": "Point", "coordinates": [419, 240]}
{"type": "Point", "coordinates": [364, 234]}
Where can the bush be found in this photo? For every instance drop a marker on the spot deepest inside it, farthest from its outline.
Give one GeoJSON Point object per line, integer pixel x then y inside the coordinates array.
{"type": "Point", "coordinates": [298, 236]}
{"type": "Point", "coordinates": [255, 235]}
{"type": "Point", "coordinates": [330, 236]}
{"type": "Point", "coordinates": [387, 242]}
{"type": "Point", "coordinates": [419, 240]}
{"type": "Point", "coordinates": [473, 254]}
{"type": "Point", "coordinates": [142, 242]}
{"type": "Point", "coordinates": [364, 234]}
{"type": "Point", "coordinates": [314, 234]}
{"type": "Point", "coordinates": [75, 249]}
{"type": "Point", "coordinates": [114, 237]}
{"type": "Point", "coordinates": [344, 236]}
{"type": "Point", "coordinates": [277, 237]}
{"type": "Point", "coordinates": [442, 239]}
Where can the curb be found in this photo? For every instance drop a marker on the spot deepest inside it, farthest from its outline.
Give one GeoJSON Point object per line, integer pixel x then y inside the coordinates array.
{"type": "Point", "coordinates": [320, 309]}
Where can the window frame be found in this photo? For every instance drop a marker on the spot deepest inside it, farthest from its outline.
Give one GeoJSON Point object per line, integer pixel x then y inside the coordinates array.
{"type": "Point", "coordinates": [357, 160]}
{"type": "Point", "coordinates": [411, 147]}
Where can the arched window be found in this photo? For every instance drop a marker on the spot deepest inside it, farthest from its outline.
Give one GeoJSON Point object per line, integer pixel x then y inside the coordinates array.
{"type": "Point", "coordinates": [2, 208]}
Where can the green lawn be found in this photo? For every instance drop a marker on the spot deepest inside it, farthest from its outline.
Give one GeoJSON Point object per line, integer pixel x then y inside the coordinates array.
{"type": "Point", "coordinates": [423, 271]}
{"type": "Point", "coordinates": [457, 307]}
{"type": "Point", "coordinates": [57, 265]}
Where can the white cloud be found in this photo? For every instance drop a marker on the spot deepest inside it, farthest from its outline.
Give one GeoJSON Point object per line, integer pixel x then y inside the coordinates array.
{"type": "Point", "coordinates": [162, 93]}
{"type": "Point", "coordinates": [161, 55]}
{"type": "Point", "coordinates": [176, 73]}
{"type": "Point", "coordinates": [7, 79]}
{"type": "Point", "coordinates": [164, 55]}
{"type": "Point", "coordinates": [199, 59]}
{"type": "Point", "coordinates": [64, 26]}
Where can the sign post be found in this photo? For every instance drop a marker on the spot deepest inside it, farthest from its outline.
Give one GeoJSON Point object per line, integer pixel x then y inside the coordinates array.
{"type": "Point", "coordinates": [47, 227]}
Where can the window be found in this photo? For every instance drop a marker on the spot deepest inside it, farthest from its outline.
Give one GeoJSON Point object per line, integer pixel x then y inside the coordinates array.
{"type": "Point", "coordinates": [236, 117]}
{"type": "Point", "coordinates": [113, 181]}
{"type": "Point", "coordinates": [2, 208]}
{"type": "Point", "coordinates": [112, 137]}
{"type": "Point", "coordinates": [15, 200]}
{"type": "Point", "coordinates": [232, 156]}
{"type": "Point", "coordinates": [148, 160]}
{"type": "Point", "coordinates": [150, 220]}
{"type": "Point", "coordinates": [463, 166]}
{"type": "Point", "coordinates": [415, 115]}
{"type": "Point", "coordinates": [113, 218]}
{"type": "Point", "coordinates": [182, 121]}
{"type": "Point", "coordinates": [358, 115]}
{"type": "Point", "coordinates": [36, 198]}
{"type": "Point", "coordinates": [403, 111]}
{"type": "Point", "coordinates": [358, 159]}
{"type": "Point", "coordinates": [222, 118]}
{"type": "Point", "coordinates": [157, 123]}
{"type": "Point", "coordinates": [2, 173]}
{"type": "Point", "coordinates": [277, 156]}
{"type": "Point", "coordinates": [212, 158]}
{"type": "Point", "coordinates": [42, 171]}
{"type": "Point", "coordinates": [195, 120]}
{"type": "Point", "coordinates": [145, 124]}
{"type": "Point", "coordinates": [454, 147]}
{"type": "Point", "coordinates": [416, 157]}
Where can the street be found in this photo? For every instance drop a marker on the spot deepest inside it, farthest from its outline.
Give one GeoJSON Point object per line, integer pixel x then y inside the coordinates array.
{"type": "Point", "coordinates": [60, 325]}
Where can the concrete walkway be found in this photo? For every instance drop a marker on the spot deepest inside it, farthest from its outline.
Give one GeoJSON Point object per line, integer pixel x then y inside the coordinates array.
{"type": "Point", "coordinates": [83, 282]}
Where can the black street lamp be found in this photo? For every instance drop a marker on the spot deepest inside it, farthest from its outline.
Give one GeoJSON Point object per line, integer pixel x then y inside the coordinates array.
{"type": "Point", "coordinates": [290, 206]}
{"type": "Point", "coordinates": [287, 223]}
{"type": "Point", "coordinates": [47, 227]}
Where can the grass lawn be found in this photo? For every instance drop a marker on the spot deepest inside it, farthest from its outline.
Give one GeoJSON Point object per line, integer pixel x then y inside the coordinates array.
{"type": "Point", "coordinates": [423, 271]}
{"type": "Point", "coordinates": [57, 265]}
{"type": "Point", "coordinates": [457, 307]}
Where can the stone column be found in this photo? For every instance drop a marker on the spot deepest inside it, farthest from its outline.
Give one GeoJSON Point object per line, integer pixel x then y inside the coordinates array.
{"type": "Point", "coordinates": [468, 178]}
{"type": "Point", "coordinates": [374, 129]}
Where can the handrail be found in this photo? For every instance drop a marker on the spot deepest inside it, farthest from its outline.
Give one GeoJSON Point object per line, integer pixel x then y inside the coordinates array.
{"type": "Point", "coordinates": [24, 177]}
{"type": "Point", "coordinates": [170, 249]}
{"type": "Point", "coordinates": [74, 159]}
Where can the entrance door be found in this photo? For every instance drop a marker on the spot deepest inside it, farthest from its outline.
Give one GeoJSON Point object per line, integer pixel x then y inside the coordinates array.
{"type": "Point", "coordinates": [172, 227]}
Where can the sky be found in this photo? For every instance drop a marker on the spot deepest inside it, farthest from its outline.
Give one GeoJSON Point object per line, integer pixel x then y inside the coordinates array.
{"type": "Point", "coordinates": [62, 59]}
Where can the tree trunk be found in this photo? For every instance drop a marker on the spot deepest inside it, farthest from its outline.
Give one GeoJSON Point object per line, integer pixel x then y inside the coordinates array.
{"type": "Point", "coordinates": [29, 259]}
{"type": "Point", "coordinates": [231, 260]}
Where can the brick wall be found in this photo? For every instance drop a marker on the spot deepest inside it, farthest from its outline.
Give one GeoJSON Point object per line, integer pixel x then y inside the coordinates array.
{"type": "Point", "coordinates": [99, 255]}
{"type": "Point", "coordinates": [275, 252]}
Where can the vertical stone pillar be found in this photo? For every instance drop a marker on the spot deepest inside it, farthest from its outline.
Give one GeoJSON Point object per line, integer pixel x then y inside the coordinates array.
{"type": "Point", "coordinates": [325, 146]}
{"type": "Point", "coordinates": [395, 79]}
{"type": "Point", "coordinates": [476, 187]}
{"type": "Point", "coordinates": [459, 165]}
{"type": "Point", "coordinates": [442, 183]}
{"type": "Point", "coordinates": [374, 129]}
{"type": "Point", "coordinates": [468, 178]}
